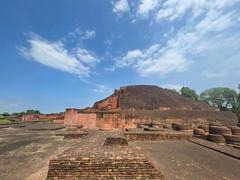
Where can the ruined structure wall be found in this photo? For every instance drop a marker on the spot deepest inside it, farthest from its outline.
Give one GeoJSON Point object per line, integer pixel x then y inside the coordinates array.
{"type": "Point", "coordinates": [131, 118]}
{"type": "Point", "coordinates": [116, 120]}
{"type": "Point", "coordinates": [109, 103]}
{"type": "Point", "coordinates": [111, 119]}
{"type": "Point", "coordinates": [49, 117]}
{"type": "Point", "coordinates": [177, 116]}
{"type": "Point", "coordinates": [73, 117]}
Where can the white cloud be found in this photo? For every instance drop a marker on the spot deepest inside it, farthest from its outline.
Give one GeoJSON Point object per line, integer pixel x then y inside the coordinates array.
{"type": "Point", "coordinates": [164, 63]}
{"type": "Point", "coordinates": [11, 107]}
{"type": "Point", "coordinates": [214, 75]}
{"type": "Point", "coordinates": [120, 6]}
{"type": "Point", "coordinates": [177, 87]}
{"type": "Point", "coordinates": [146, 6]}
{"type": "Point", "coordinates": [154, 61]}
{"type": "Point", "coordinates": [86, 56]}
{"type": "Point", "coordinates": [55, 55]}
{"type": "Point", "coordinates": [77, 34]}
{"type": "Point", "coordinates": [110, 69]}
{"type": "Point", "coordinates": [108, 42]}
{"type": "Point", "coordinates": [207, 36]}
{"type": "Point", "coordinates": [102, 89]}
{"type": "Point", "coordinates": [167, 34]}
{"type": "Point", "coordinates": [130, 58]}
{"type": "Point", "coordinates": [217, 21]}
{"type": "Point", "coordinates": [174, 9]}
{"type": "Point", "coordinates": [89, 34]}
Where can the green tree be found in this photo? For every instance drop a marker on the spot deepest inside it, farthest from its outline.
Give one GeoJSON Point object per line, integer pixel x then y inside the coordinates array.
{"type": "Point", "coordinates": [5, 114]}
{"type": "Point", "coordinates": [223, 98]}
{"type": "Point", "coordinates": [174, 90]}
{"type": "Point", "coordinates": [32, 111]}
{"type": "Point", "coordinates": [236, 107]}
{"type": "Point", "coordinates": [190, 93]}
{"type": "Point", "coordinates": [18, 113]}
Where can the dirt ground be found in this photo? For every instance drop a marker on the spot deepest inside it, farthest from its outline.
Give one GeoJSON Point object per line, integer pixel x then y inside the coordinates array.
{"type": "Point", "coordinates": [25, 154]}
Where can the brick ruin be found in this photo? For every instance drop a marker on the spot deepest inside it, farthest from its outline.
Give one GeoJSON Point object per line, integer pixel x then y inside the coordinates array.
{"type": "Point", "coordinates": [48, 117]}
{"type": "Point", "coordinates": [142, 104]}
{"type": "Point", "coordinates": [113, 159]}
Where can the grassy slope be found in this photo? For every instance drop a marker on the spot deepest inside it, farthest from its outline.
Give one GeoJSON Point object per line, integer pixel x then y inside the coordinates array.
{"type": "Point", "coordinates": [5, 121]}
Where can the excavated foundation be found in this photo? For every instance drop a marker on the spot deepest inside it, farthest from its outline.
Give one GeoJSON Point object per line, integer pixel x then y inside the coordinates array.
{"type": "Point", "coordinates": [102, 162]}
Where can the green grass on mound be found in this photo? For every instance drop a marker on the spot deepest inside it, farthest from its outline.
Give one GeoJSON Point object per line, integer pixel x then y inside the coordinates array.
{"type": "Point", "coordinates": [5, 121]}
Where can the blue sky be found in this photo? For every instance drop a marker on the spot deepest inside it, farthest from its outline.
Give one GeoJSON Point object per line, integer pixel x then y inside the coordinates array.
{"type": "Point", "coordinates": [58, 54]}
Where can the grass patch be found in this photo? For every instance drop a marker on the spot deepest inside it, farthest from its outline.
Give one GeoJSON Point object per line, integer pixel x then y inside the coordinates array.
{"type": "Point", "coordinates": [5, 121]}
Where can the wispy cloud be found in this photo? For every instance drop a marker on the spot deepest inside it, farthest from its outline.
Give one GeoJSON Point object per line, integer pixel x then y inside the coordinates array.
{"type": "Point", "coordinates": [102, 89]}
{"type": "Point", "coordinates": [89, 34]}
{"type": "Point", "coordinates": [86, 56]}
{"type": "Point", "coordinates": [108, 42]}
{"type": "Point", "coordinates": [154, 61]}
{"type": "Point", "coordinates": [214, 75]}
{"type": "Point", "coordinates": [57, 56]}
{"type": "Point", "coordinates": [177, 87]}
{"type": "Point", "coordinates": [208, 36]}
{"type": "Point", "coordinates": [78, 34]}
{"type": "Point", "coordinates": [120, 6]}
{"type": "Point", "coordinates": [146, 6]}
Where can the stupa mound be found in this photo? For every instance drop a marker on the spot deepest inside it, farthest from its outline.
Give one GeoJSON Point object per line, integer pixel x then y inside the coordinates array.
{"type": "Point", "coordinates": [147, 97]}
{"type": "Point", "coordinates": [133, 106]}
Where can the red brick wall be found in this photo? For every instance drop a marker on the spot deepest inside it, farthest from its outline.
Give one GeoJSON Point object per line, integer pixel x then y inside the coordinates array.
{"type": "Point", "coordinates": [88, 120]}
{"type": "Point", "coordinates": [106, 104]}
{"type": "Point", "coordinates": [31, 117]}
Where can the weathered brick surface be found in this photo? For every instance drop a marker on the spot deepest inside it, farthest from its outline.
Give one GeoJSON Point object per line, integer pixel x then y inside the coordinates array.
{"type": "Point", "coordinates": [103, 169]}
{"type": "Point", "coordinates": [95, 161]}
{"type": "Point", "coordinates": [111, 141]}
{"type": "Point", "coordinates": [142, 136]}
{"type": "Point", "coordinates": [50, 117]}
{"type": "Point", "coordinates": [73, 117]}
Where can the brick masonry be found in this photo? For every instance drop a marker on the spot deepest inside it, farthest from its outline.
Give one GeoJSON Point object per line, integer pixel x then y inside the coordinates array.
{"type": "Point", "coordinates": [142, 136]}
{"type": "Point", "coordinates": [92, 160]}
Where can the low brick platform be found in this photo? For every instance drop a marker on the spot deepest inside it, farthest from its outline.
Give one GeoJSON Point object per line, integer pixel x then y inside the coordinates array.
{"type": "Point", "coordinates": [110, 163]}
{"type": "Point", "coordinates": [115, 141]}
{"type": "Point", "coordinates": [147, 136]}
{"type": "Point", "coordinates": [224, 149]}
{"type": "Point", "coordinates": [72, 134]}
{"type": "Point", "coordinates": [44, 127]}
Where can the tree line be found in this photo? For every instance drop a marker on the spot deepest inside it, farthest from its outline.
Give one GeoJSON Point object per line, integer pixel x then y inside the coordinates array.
{"type": "Point", "coordinates": [225, 99]}
{"type": "Point", "coordinates": [30, 111]}
{"type": "Point", "coordinates": [27, 112]}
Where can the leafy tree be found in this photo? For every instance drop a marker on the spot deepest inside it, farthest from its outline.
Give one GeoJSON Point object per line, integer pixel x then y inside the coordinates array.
{"type": "Point", "coordinates": [174, 90]}
{"type": "Point", "coordinates": [5, 114]}
{"type": "Point", "coordinates": [18, 113]}
{"type": "Point", "coordinates": [190, 93]}
{"type": "Point", "coordinates": [236, 107]}
{"type": "Point", "coordinates": [32, 111]}
{"type": "Point", "coordinates": [223, 98]}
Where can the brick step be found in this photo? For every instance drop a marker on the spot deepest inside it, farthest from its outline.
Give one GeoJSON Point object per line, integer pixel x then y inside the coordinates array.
{"type": "Point", "coordinates": [108, 168]}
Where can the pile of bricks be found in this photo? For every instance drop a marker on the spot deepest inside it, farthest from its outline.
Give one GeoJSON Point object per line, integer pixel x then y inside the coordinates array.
{"type": "Point", "coordinates": [108, 163]}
